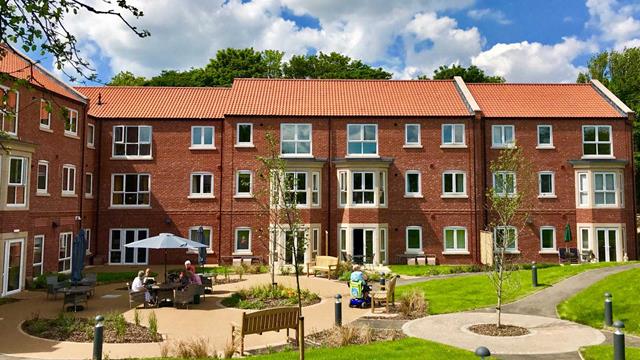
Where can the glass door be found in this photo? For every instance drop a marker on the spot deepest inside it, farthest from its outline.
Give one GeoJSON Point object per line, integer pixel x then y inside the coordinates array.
{"type": "Point", "coordinates": [607, 244]}
{"type": "Point", "coordinates": [294, 245]}
{"type": "Point", "coordinates": [13, 266]}
{"type": "Point", "coordinates": [119, 254]}
{"type": "Point", "coordinates": [363, 246]}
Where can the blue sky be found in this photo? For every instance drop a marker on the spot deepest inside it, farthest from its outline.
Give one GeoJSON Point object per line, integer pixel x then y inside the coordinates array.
{"type": "Point", "coordinates": [524, 41]}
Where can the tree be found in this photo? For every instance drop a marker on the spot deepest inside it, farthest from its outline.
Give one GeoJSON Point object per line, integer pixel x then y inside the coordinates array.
{"type": "Point", "coordinates": [126, 78]}
{"type": "Point", "coordinates": [331, 66]}
{"type": "Point", "coordinates": [472, 74]}
{"type": "Point", "coordinates": [506, 201]}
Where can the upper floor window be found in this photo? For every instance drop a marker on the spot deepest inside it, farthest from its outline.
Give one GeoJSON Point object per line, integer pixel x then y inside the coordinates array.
{"type": "Point", "coordinates": [545, 136]}
{"type": "Point", "coordinates": [362, 139]}
{"type": "Point", "coordinates": [502, 136]}
{"type": "Point", "coordinates": [546, 186]}
{"type": "Point", "coordinates": [295, 139]}
{"type": "Point", "coordinates": [412, 187]}
{"type": "Point", "coordinates": [412, 135]}
{"type": "Point", "coordinates": [453, 183]}
{"type": "Point", "coordinates": [68, 180]}
{"type": "Point", "coordinates": [244, 134]}
{"type": "Point", "coordinates": [45, 114]}
{"type": "Point", "coordinates": [414, 239]}
{"type": "Point", "coordinates": [506, 237]}
{"type": "Point", "coordinates": [201, 185]}
{"type": "Point", "coordinates": [504, 183]}
{"type": "Point", "coordinates": [9, 110]}
{"type": "Point", "coordinates": [202, 137]}
{"type": "Point", "coordinates": [596, 140]}
{"type": "Point", "coordinates": [43, 177]}
{"type": "Point", "coordinates": [132, 141]}
{"type": "Point", "coordinates": [363, 191]}
{"type": "Point", "coordinates": [17, 184]}
{"type": "Point", "coordinates": [243, 183]}
{"type": "Point", "coordinates": [130, 190]}
{"type": "Point", "coordinates": [362, 188]}
{"type": "Point", "coordinates": [91, 135]}
{"type": "Point", "coordinates": [88, 185]}
{"type": "Point", "coordinates": [455, 239]}
{"type": "Point", "coordinates": [71, 122]}
{"type": "Point", "coordinates": [453, 135]}
{"type": "Point", "coordinates": [605, 188]}
{"type": "Point", "coordinates": [296, 191]}
{"type": "Point", "coordinates": [583, 189]}
{"type": "Point", "coordinates": [315, 188]}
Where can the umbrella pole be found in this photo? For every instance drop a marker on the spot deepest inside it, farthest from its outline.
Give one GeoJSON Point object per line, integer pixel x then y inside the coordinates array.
{"type": "Point", "coordinates": [165, 265]}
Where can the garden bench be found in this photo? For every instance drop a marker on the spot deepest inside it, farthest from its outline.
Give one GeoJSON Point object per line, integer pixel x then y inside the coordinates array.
{"type": "Point", "coordinates": [323, 264]}
{"type": "Point", "coordinates": [274, 319]}
{"type": "Point", "coordinates": [386, 296]}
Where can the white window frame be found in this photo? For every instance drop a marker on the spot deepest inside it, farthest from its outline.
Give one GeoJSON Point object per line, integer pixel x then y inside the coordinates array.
{"type": "Point", "coordinates": [454, 183]}
{"type": "Point", "coordinates": [581, 239]}
{"type": "Point", "coordinates": [502, 144]}
{"type": "Point", "coordinates": [362, 141]}
{"type": "Point", "coordinates": [201, 195]}
{"type": "Point", "coordinates": [71, 180]}
{"type": "Point", "coordinates": [44, 191]}
{"type": "Point", "coordinates": [554, 247]}
{"type": "Point", "coordinates": [583, 189]}
{"type": "Point", "coordinates": [68, 251]}
{"type": "Point", "coordinates": [205, 228]}
{"type": "Point", "coordinates": [343, 188]}
{"type": "Point", "coordinates": [87, 235]}
{"type": "Point", "coordinates": [123, 250]}
{"type": "Point", "coordinates": [412, 144]}
{"type": "Point", "coordinates": [244, 143]}
{"type": "Point", "coordinates": [295, 141]}
{"type": "Point", "coordinates": [295, 190]}
{"type": "Point", "coordinates": [24, 180]}
{"type": "Point", "coordinates": [137, 142]}
{"type": "Point", "coordinates": [615, 190]}
{"type": "Point", "coordinates": [91, 136]}
{"type": "Point", "coordinates": [124, 192]}
{"type": "Point", "coordinates": [504, 228]}
{"type": "Point", "coordinates": [363, 190]}
{"type": "Point", "coordinates": [73, 123]}
{"type": "Point", "coordinates": [315, 242]}
{"type": "Point", "coordinates": [597, 142]}
{"type": "Point", "coordinates": [552, 194]}
{"type": "Point", "coordinates": [88, 185]}
{"type": "Point", "coordinates": [239, 194]}
{"type": "Point", "coordinates": [407, 193]}
{"type": "Point", "coordinates": [46, 126]}
{"type": "Point", "coordinates": [406, 240]}
{"type": "Point", "coordinates": [3, 113]}
{"type": "Point", "coordinates": [315, 188]}
{"type": "Point", "coordinates": [41, 262]}
{"type": "Point", "coordinates": [453, 142]}
{"type": "Point", "coordinates": [541, 145]}
{"type": "Point", "coordinates": [202, 145]}
{"type": "Point", "coordinates": [455, 249]}
{"type": "Point", "coordinates": [235, 240]}
{"type": "Point", "coordinates": [504, 174]}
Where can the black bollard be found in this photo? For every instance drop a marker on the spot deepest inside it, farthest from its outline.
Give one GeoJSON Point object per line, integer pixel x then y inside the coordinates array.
{"type": "Point", "coordinates": [618, 341]}
{"type": "Point", "coordinates": [338, 310]}
{"type": "Point", "coordinates": [98, 338]}
{"type": "Point", "coordinates": [534, 274]}
{"type": "Point", "coordinates": [608, 309]}
{"type": "Point", "coordinates": [482, 352]}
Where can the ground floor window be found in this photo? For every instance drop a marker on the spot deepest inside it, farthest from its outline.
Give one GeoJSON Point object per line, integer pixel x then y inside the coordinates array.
{"type": "Point", "coordinates": [242, 242]}
{"type": "Point", "coordinates": [64, 253]}
{"type": "Point", "coordinates": [414, 239]}
{"type": "Point", "coordinates": [38, 252]}
{"type": "Point", "coordinates": [119, 254]}
{"type": "Point", "coordinates": [87, 236]}
{"type": "Point", "coordinates": [507, 237]}
{"type": "Point", "coordinates": [455, 239]}
{"type": "Point", "coordinates": [315, 243]}
{"type": "Point", "coordinates": [547, 238]}
{"type": "Point", "coordinates": [206, 233]}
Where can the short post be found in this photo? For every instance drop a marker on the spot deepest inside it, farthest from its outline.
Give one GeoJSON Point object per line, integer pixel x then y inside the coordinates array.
{"type": "Point", "coordinates": [301, 337]}
{"type": "Point", "coordinates": [608, 309]}
{"type": "Point", "coordinates": [482, 352]}
{"type": "Point", "coordinates": [618, 341]}
{"type": "Point", "coordinates": [383, 281]}
{"type": "Point", "coordinates": [534, 274]}
{"type": "Point", "coordinates": [98, 338]}
{"type": "Point", "coordinates": [338, 310]}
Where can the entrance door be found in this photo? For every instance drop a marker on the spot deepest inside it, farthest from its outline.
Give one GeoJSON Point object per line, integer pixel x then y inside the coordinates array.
{"type": "Point", "coordinates": [294, 246]}
{"type": "Point", "coordinates": [119, 254]}
{"type": "Point", "coordinates": [13, 266]}
{"type": "Point", "coordinates": [363, 246]}
{"type": "Point", "coordinates": [607, 249]}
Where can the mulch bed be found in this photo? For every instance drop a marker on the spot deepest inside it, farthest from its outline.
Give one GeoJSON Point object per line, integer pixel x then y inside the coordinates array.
{"type": "Point", "coordinates": [336, 337]}
{"type": "Point", "coordinates": [503, 330]}
{"type": "Point", "coordinates": [261, 303]}
{"type": "Point", "coordinates": [82, 331]}
{"type": "Point", "coordinates": [393, 310]}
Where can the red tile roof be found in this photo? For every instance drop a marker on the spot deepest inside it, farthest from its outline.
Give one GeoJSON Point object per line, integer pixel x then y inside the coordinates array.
{"type": "Point", "coordinates": [21, 67]}
{"type": "Point", "coordinates": [156, 102]}
{"type": "Point", "coordinates": [345, 98]}
{"type": "Point", "coordinates": [542, 100]}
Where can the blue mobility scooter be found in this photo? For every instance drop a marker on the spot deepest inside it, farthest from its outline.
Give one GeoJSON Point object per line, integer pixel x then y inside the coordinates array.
{"type": "Point", "coordinates": [359, 291]}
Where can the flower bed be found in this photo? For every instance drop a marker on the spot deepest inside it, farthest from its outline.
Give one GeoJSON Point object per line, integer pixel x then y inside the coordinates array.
{"type": "Point", "coordinates": [266, 296]}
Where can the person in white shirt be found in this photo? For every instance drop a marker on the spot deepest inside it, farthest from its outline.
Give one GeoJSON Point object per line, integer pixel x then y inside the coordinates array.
{"type": "Point", "coordinates": [138, 285]}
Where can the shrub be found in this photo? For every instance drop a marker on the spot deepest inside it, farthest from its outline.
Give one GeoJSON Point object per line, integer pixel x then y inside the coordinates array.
{"type": "Point", "coordinates": [413, 304]}
{"type": "Point", "coordinates": [240, 270]}
{"type": "Point", "coordinates": [285, 270]}
{"type": "Point", "coordinates": [261, 296]}
{"type": "Point", "coordinates": [136, 317]}
{"type": "Point", "coordinates": [191, 349]}
{"type": "Point", "coordinates": [153, 324]}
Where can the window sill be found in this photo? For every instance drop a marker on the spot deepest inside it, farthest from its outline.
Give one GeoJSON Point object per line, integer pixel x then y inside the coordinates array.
{"type": "Point", "coordinates": [454, 196]}
{"type": "Point", "coordinates": [42, 194]}
{"type": "Point", "coordinates": [191, 251]}
{"type": "Point", "coordinates": [414, 252]}
{"type": "Point", "coordinates": [501, 147]}
{"type": "Point", "coordinates": [453, 146]}
{"type": "Point", "coordinates": [412, 146]}
{"type": "Point", "coordinates": [131, 158]}
{"type": "Point", "coordinates": [242, 253]}
{"type": "Point", "coordinates": [413, 196]}
{"type": "Point", "coordinates": [296, 156]}
{"type": "Point", "coordinates": [362, 156]}
{"type": "Point", "coordinates": [595, 157]}
{"type": "Point", "coordinates": [124, 207]}
{"type": "Point", "coordinates": [245, 145]}
{"type": "Point", "coordinates": [456, 253]}
{"type": "Point", "coordinates": [92, 147]}
{"type": "Point", "coordinates": [202, 148]}
{"type": "Point", "coordinates": [45, 129]}
{"type": "Point", "coordinates": [68, 195]}
{"type": "Point", "coordinates": [547, 197]}
{"type": "Point", "coordinates": [243, 196]}
{"type": "Point", "coordinates": [548, 252]}
{"type": "Point", "coordinates": [87, 196]}
{"type": "Point", "coordinates": [72, 135]}
{"type": "Point", "coordinates": [201, 197]}
{"type": "Point", "coordinates": [545, 147]}
{"type": "Point", "coordinates": [508, 252]}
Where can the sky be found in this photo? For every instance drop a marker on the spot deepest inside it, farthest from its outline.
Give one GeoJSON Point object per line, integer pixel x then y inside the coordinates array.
{"type": "Point", "coordinates": [522, 40]}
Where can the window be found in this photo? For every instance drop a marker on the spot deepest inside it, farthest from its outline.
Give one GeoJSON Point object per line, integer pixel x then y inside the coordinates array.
{"type": "Point", "coordinates": [131, 141]}
{"type": "Point", "coordinates": [342, 179]}
{"type": "Point", "coordinates": [381, 188]}
{"type": "Point", "coordinates": [43, 177]}
{"type": "Point", "coordinates": [243, 240]}
{"type": "Point", "coordinates": [506, 237]}
{"type": "Point", "coordinates": [130, 190]}
{"type": "Point", "coordinates": [38, 252]}
{"type": "Point", "coordinates": [502, 136]}
{"type": "Point", "coordinates": [362, 139]}
{"type": "Point", "coordinates": [343, 244]}
{"type": "Point", "coordinates": [119, 254]}
{"type": "Point", "coordinates": [91, 135]}
{"type": "Point", "coordinates": [504, 183]}
{"type": "Point", "coordinates": [546, 186]}
{"type": "Point", "coordinates": [206, 232]}
{"type": "Point", "coordinates": [453, 135]}
{"type": "Point", "coordinates": [604, 188]}
{"type": "Point", "coordinates": [9, 110]}
{"type": "Point", "coordinates": [547, 238]}
{"type": "Point", "coordinates": [596, 140]}
{"type": "Point", "coordinates": [583, 189]}
{"type": "Point", "coordinates": [296, 192]}
{"type": "Point", "coordinates": [295, 139]}
{"type": "Point", "coordinates": [201, 185]}
{"type": "Point", "coordinates": [87, 236]}
{"type": "Point", "coordinates": [412, 186]}
{"type": "Point", "coordinates": [383, 246]}
{"type": "Point", "coordinates": [68, 180]}
{"type": "Point", "coordinates": [17, 184]}
{"type": "Point", "coordinates": [455, 239]}
{"type": "Point", "coordinates": [244, 135]}
{"type": "Point", "coordinates": [71, 122]}
{"type": "Point", "coordinates": [453, 183]}
{"type": "Point", "coordinates": [202, 137]}
{"type": "Point", "coordinates": [412, 135]}
{"type": "Point", "coordinates": [64, 253]}
{"type": "Point", "coordinates": [414, 239]}
{"type": "Point", "coordinates": [584, 239]}
{"type": "Point", "coordinates": [315, 188]}
{"type": "Point", "coordinates": [45, 114]}
{"type": "Point", "coordinates": [243, 183]}
{"type": "Point", "coordinates": [545, 136]}
{"type": "Point", "coordinates": [363, 191]}
{"type": "Point", "coordinates": [315, 243]}
{"type": "Point", "coordinates": [88, 185]}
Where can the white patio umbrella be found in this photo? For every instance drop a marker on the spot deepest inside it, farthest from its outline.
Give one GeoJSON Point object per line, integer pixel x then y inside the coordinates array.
{"type": "Point", "coordinates": [165, 241]}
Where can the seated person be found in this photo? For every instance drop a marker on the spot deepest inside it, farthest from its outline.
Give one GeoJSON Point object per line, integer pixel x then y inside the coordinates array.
{"type": "Point", "coordinates": [188, 267]}
{"type": "Point", "coordinates": [358, 276]}
{"type": "Point", "coordinates": [138, 285]}
{"type": "Point", "coordinates": [183, 280]}
{"type": "Point", "coordinates": [148, 279]}
{"type": "Point", "coordinates": [194, 278]}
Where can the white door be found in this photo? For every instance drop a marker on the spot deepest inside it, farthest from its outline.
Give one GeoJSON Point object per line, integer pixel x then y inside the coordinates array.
{"type": "Point", "coordinates": [13, 269]}
{"type": "Point", "coordinates": [607, 241]}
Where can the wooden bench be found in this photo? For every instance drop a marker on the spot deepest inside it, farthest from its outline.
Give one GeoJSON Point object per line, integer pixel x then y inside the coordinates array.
{"type": "Point", "coordinates": [323, 264]}
{"type": "Point", "coordinates": [257, 322]}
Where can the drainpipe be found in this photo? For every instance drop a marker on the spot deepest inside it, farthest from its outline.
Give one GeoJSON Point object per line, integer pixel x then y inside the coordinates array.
{"type": "Point", "coordinates": [85, 109]}
{"type": "Point", "coordinates": [329, 182]}
{"type": "Point", "coordinates": [221, 191]}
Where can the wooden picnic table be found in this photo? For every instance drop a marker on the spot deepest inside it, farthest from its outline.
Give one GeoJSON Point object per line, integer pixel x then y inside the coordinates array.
{"type": "Point", "coordinates": [75, 295]}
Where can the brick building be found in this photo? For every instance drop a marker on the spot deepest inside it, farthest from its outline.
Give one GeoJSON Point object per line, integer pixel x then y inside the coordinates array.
{"type": "Point", "coordinates": [382, 168]}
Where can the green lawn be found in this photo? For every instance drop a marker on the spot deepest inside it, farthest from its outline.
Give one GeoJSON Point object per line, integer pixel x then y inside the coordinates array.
{"type": "Point", "coordinates": [586, 307]}
{"type": "Point", "coordinates": [430, 270]}
{"type": "Point", "coordinates": [475, 291]}
{"type": "Point", "coordinates": [605, 352]}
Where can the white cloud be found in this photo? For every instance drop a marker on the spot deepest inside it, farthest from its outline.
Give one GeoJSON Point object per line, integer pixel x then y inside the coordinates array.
{"type": "Point", "coordinates": [489, 14]}
{"type": "Point", "coordinates": [616, 23]}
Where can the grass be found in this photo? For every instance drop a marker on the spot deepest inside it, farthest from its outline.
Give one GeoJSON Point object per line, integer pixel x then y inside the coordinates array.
{"type": "Point", "coordinates": [476, 291]}
{"type": "Point", "coordinates": [103, 278]}
{"type": "Point", "coordinates": [586, 307]}
{"type": "Point", "coordinates": [430, 270]}
{"type": "Point", "coordinates": [605, 352]}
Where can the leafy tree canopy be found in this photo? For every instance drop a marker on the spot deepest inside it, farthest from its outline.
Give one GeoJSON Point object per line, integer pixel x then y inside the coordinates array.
{"type": "Point", "coordinates": [472, 74]}
{"type": "Point", "coordinates": [330, 66]}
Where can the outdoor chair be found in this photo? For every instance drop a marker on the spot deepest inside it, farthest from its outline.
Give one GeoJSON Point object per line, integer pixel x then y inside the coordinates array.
{"type": "Point", "coordinates": [91, 280]}
{"type": "Point", "coordinates": [569, 256]}
{"type": "Point", "coordinates": [75, 299]}
{"type": "Point", "coordinates": [207, 284]}
{"type": "Point", "coordinates": [53, 285]}
{"type": "Point", "coordinates": [185, 297]}
{"type": "Point", "coordinates": [136, 297]}
{"type": "Point", "coordinates": [386, 296]}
